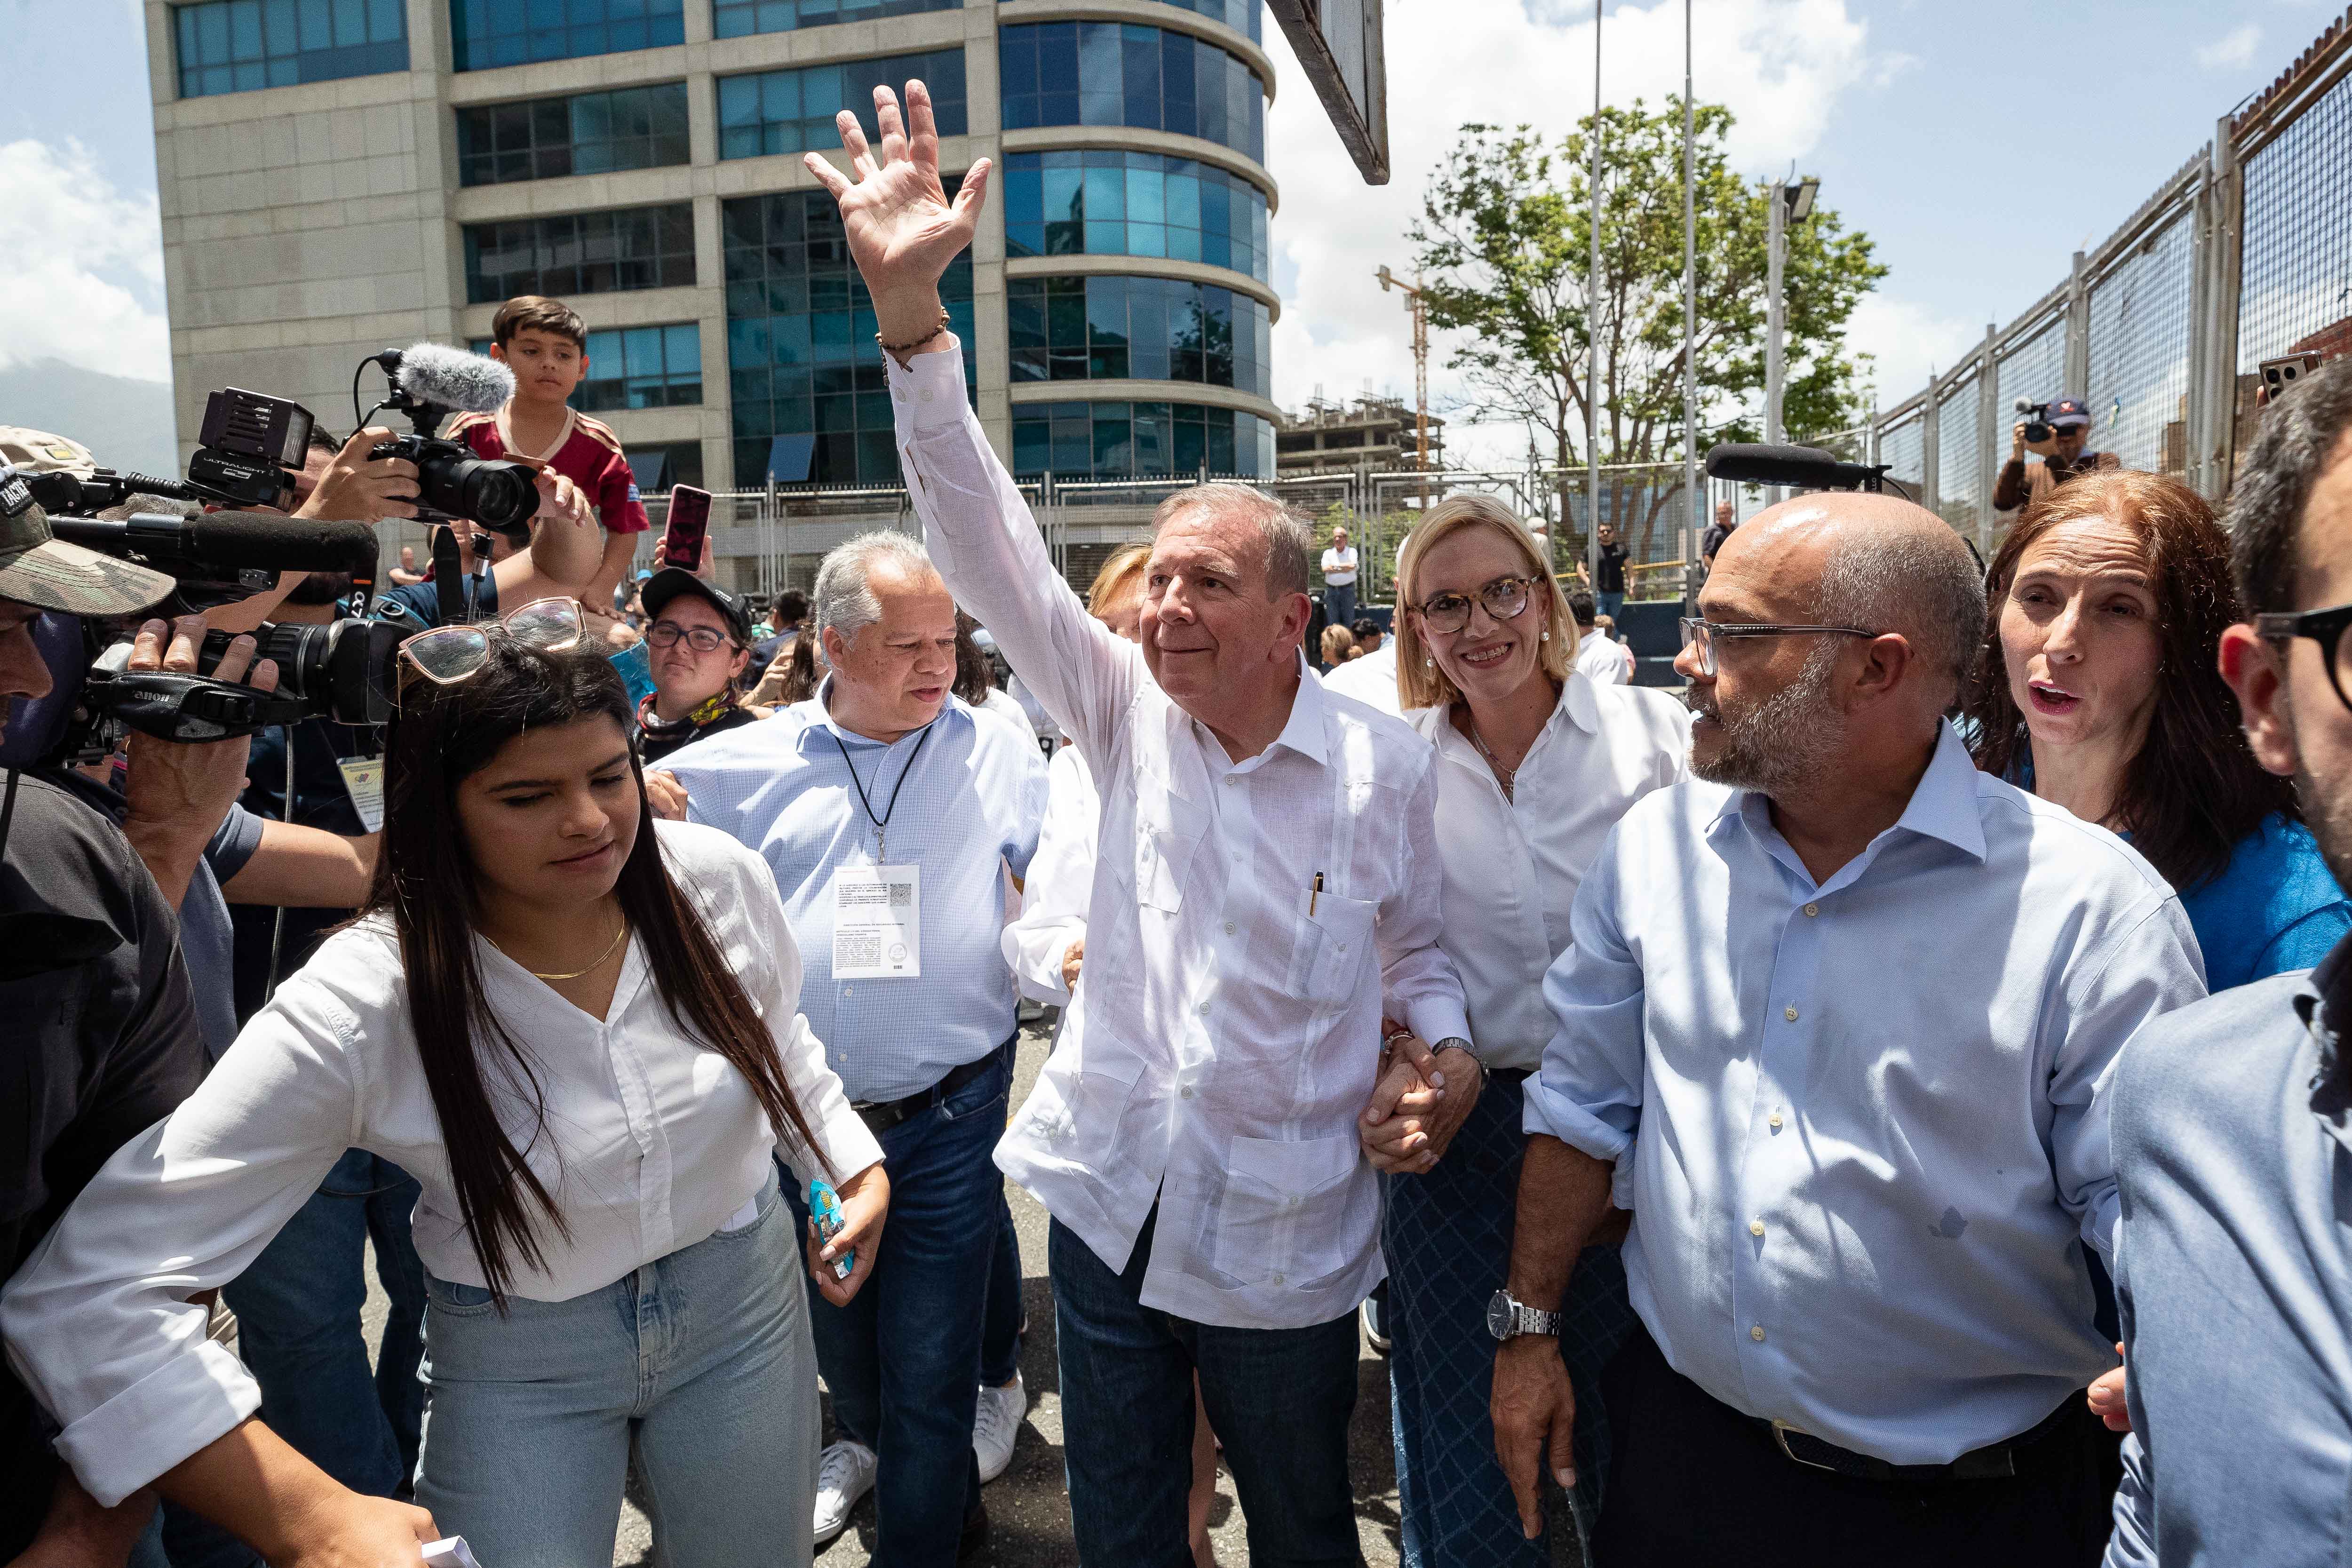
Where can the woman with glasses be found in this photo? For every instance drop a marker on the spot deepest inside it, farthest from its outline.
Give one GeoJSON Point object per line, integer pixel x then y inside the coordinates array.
{"type": "Point", "coordinates": [699, 641]}
{"type": "Point", "coordinates": [1535, 765]}
{"type": "Point", "coordinates": [578, 1030]}
{"type": "Point", "coordinates": [2100, 691]}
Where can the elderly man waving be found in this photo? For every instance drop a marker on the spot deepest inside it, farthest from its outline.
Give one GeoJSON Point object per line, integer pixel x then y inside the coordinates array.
{"type": "Point", "coordinates": [1267, 868]}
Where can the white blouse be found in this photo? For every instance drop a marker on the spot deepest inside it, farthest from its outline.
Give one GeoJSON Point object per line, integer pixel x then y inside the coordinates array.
{"type": "Point", "coordinates": [1512, 867]}
{"type": "Point", "coordinates": [652, 1143]}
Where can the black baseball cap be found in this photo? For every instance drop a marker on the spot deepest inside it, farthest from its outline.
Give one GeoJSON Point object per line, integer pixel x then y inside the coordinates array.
{"type": "Point", "coordinates": [671, 581]}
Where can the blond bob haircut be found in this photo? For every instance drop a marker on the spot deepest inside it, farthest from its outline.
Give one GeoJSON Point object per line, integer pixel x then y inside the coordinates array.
{"type": "Point", "coordinates": [1420, 682]}
{"type": "Point", "coordinates": [1117, 576]}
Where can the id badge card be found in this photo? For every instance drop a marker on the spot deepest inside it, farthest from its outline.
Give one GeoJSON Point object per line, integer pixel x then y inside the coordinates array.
{"type": "Point", "coordinates": [877, 922]}
{"type": "Point", "coordinates": [363, 782]}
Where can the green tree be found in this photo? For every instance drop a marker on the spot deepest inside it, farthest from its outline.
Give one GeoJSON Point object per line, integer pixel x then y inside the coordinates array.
{"type": "Point", "coordinates": [1503, 248]}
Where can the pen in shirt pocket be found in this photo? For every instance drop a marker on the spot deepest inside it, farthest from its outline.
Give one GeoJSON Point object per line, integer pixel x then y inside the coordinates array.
{"type": "Point", "coordinates": [1313, 893]}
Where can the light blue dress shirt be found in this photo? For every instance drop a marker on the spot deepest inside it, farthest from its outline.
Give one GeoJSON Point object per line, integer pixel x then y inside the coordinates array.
{"type": "Point", "coordinates": [2235, 1278]}
{"type": "Point", "coordinates": [969, 806]}
{"type": "Point", "coordinates": [1862, 1125]}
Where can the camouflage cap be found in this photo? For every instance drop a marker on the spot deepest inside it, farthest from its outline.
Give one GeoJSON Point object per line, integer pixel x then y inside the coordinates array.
{"type": "Point", "coordinates": [38, 568]}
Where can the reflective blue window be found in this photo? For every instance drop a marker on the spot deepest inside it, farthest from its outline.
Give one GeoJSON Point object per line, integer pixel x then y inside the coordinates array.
{"type": "Point", "coordinates": [638, 367]}
{"type": "Point", "coordinates": [1119, 73]}
{"type": "Point", "coordinates": [801, 359]}
{"type": "Point", "coordinates": [792, 110]}
{"type": "Point", "coordinates": [236, 46]}
{"type": "Point", "coordinates": [485, 34]}
{"type": "Point", "coordinates": [735, 18]}
{"type": "Point", "coordinates": [1241, 15]}
{"type": "Point", "coordinates": [588, 134]}
{"type": "Point", "coordinates": [1139, 441]}
{"type": "Point", "coordinates": [1108, 202]}
{"type": "Point", "coordinates": [581, 253]}
{"type": "Point", "coordinates": [1102, 329]}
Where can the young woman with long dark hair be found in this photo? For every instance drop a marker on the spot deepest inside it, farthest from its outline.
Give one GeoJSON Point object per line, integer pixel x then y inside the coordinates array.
{"type": "Point", "coordinates": [2101, 691]}
{"type": "Point", "coordinates": [580, 1032]}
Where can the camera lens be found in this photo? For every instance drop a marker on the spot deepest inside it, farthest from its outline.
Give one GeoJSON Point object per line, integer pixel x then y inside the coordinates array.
{"type": "Point", "coordinates": [499, 496]}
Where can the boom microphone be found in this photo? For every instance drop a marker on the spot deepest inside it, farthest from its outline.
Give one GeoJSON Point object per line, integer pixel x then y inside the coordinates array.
{"type": "Point", "coordinates": [449, 378]}
{"type": "Point", "coordinates": [229, 540]}
{"type": "Point", "coordinates": [1798, 468]}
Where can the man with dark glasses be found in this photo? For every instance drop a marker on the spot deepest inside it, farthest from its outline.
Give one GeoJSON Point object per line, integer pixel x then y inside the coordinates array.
{"type": "Point", "coordinates": [2230, 1125]}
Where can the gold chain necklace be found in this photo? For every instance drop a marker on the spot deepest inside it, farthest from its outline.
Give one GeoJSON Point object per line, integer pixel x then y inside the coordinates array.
{"type": "Point", "coordinates": [540, 974]}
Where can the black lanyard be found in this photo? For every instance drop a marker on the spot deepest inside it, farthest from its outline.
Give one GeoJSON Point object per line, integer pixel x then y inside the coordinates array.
{"type": "Point", "coordinates": [882, 823]}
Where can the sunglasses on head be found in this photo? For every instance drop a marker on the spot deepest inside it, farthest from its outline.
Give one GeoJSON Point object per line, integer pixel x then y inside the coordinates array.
{"type": "Point", "coordinates": [447, 655]}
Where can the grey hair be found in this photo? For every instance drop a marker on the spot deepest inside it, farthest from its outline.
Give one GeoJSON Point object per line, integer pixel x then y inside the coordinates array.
{"type": "Point", "coordinates": [2299, 439]}
{"type": "Point", "coordinates": [1291, 555]}
{"type": "Point", "coordinates": [841, 599]}
{"type": "Point", "coordinates": [1916, 581]}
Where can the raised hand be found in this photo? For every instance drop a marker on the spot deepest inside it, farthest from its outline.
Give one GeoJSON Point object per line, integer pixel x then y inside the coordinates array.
{"type": "Point", "coordinates": [902, 228]}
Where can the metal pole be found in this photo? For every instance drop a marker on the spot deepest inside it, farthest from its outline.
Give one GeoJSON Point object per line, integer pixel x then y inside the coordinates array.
{"type": "Point", "coordinates": [1692, 520]}
{"type": "Point", "coordinates": [1592, 336]}
{"type": "Point", "coordinates": [1775, 231]}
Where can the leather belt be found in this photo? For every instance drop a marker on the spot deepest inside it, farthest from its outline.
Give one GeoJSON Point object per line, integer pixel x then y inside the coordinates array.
{"type": "Point", "coordinates": [882, 1115]}
{"type": "Point", "coordinates": [1993, 1461]}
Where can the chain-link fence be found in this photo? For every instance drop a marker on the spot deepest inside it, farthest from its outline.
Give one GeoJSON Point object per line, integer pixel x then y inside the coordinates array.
{"type": "Point", "coordinates": [2244, 256]}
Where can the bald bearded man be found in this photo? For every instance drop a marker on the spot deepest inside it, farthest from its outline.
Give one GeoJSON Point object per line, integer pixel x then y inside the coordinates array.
{"type": "Point", "coordinates": [1838, 1025]}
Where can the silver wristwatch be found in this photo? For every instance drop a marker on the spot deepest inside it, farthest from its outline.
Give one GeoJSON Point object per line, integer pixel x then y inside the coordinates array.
{"type": "Point", "coordinates": [1456, 1043]}
{"type": "Point", "coordinates": [1508, 1318]}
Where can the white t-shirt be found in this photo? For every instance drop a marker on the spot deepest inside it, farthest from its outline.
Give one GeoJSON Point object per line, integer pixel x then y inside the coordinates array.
{"type": "Point", "coordinates": [1603, 660]}
{"type": "Point", "coordinates": [1339, 567]}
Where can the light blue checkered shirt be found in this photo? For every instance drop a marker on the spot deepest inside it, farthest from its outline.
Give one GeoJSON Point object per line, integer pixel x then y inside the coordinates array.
{"type": "Point", "coordinates": [971, 806]}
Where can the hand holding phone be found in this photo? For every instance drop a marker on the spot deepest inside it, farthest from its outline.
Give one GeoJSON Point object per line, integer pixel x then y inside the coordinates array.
{"type": "Point", "coordinates": [687, 528]}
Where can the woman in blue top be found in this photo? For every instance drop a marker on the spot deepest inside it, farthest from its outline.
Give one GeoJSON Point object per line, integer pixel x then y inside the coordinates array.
{"type": "Point", "coordinates": [2100, 691]}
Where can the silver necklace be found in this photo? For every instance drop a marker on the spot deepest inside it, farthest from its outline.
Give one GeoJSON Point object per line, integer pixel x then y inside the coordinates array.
{"type": "Point", "coordinates": [1504, 775]}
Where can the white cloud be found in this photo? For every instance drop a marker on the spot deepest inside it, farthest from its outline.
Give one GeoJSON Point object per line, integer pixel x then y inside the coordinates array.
{"type": "Point", "coordinates": [1781, 64]}
{"type": "Point", "coordinates": [1907, 343]}
{"type": "Point", "coordinates": [2234, 50]}
{"type": "Point", "coordinates": [86, 281]}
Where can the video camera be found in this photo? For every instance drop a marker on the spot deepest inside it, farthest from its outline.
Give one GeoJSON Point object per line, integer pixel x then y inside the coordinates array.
{"type": "Point", "coordinates": [2037, 427]}
{"type": "Point", "coordinates": [429, 383]}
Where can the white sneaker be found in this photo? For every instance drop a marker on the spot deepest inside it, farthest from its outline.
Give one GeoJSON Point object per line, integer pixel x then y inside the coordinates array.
{"type": "Point", "coordinates": [996, 1423]}
{"type": "Point", "coordinates": [845, 1475]}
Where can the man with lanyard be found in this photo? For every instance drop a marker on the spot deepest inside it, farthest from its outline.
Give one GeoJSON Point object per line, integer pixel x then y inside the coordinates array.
{"type": "Point", "coordinates": [889, 810]}
{"type": "Point", "coordinates": [699, 639]}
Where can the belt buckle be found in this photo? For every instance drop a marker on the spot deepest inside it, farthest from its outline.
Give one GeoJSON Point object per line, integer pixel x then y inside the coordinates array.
{"type": "Point", "coordinates": [1780, 1430]}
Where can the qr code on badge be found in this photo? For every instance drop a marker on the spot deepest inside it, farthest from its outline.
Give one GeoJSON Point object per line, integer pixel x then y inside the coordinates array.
{"type": "Point", "coordinates": [902, 894]}
{"type": "Point", "coordinates": [856, 947]}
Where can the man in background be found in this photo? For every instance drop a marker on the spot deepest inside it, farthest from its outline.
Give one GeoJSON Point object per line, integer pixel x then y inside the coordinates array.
{"type": "Point", "coordinates": [1599, 657]}
{"type": "Point", "coordinates": [1609, 571]}
{"type": "Point", "coordinates": [1727, 519]}
{"type": "Point", "coordinates": [1339, 582]}
{"type": "Point", "coordinates": [2064, 454]}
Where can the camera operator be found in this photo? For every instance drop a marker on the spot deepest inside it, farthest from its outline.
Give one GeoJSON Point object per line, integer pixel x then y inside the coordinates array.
{"type": "Point", "coordinates": [2063, 455]}
{"type": "Point", "coordinates": [344, 483]}
{"type": "Point", "coordinates": [567, 545]}
{"type": "Point", "coordinates": [104, 1039]}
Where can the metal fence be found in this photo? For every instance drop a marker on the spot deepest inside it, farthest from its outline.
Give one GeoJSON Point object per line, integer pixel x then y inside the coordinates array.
{"type": "Point", "coordinates": [2244, 255]}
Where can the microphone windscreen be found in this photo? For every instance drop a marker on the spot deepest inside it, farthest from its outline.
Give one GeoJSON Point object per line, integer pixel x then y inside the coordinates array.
{"type": "Point", "coordinates": [1801, 467]}
{"type": "Point", "coordinates": [284, 543]}
{"type": "Point", "coordinates": [452, 378]}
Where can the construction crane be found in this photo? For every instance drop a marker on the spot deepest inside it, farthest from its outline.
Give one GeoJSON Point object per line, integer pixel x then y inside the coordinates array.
{"type": "Point", "coordinates": [1420, 371]}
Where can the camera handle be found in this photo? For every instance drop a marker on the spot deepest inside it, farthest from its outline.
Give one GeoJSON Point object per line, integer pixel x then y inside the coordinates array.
{"type": "Point", "coordinates": [449, 578]}
{"type": "Point", "coordinates": [189, 709]}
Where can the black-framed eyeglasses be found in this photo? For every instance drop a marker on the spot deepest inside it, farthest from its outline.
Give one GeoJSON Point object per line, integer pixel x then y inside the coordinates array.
{"type": "Point", "coordinates": [1504, 599]}
{"type": "Point", "coordinates": [2324, 627]}
{"type": "Point", "coordinates": [701, 639]}
{"type": "Point", "coordinates": [1701, 634]}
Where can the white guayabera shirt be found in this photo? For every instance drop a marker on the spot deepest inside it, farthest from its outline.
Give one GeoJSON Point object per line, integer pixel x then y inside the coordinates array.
{"type": "Point", "coordinates": [1228, 1034]}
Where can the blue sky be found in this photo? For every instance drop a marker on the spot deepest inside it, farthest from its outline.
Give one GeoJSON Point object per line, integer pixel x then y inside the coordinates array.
{"type": "Point", "coordinates": [1980, 143]}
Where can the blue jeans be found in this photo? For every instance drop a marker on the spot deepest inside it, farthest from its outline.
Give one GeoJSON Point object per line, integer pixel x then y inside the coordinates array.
{"type": "Point", "coordinates": [1609, 603]}
{"type": "Point", "coordinates": [1000, 1335]}
{"type": "Point", "coordinates": [1340, 605]}
{"type": "Point", "coordinates": [701, 1359]}
{"type": "Point", "coordinates": [1280, 1399]}
{"type": "Point", "coordinates": [900, 1358]}
{"type": "Point", "coordinates": [1447, 1235]}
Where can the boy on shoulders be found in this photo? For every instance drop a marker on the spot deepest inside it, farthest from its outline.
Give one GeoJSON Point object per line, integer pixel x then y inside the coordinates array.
{"type": "Point", "coordinates": [545, 344]}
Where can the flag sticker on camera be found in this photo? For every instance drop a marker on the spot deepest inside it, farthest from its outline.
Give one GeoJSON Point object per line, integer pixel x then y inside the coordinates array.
{"type": "Point", "coordinates": [363, 782]}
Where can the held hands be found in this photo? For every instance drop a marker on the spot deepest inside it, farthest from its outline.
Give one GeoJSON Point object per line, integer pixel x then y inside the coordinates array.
{"type": "Point", "coordinates": [359, 487]}
{"type": "Point", "coordinates": [864, 1203]}
{"type": "Point", "coordinates": [903, 230]}
{"type": "Point", "coordinates": [1534, 1411]}
{"type": "Point", "coordinates": [2106, 1396]}
{"type": "Point", "coordinates": [1418, 1106]}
